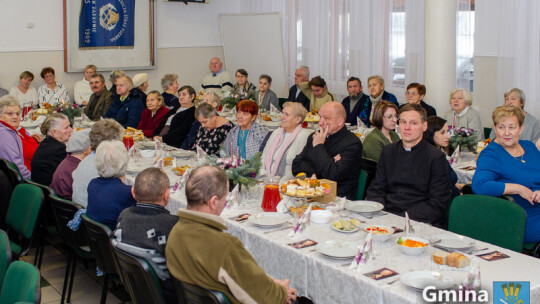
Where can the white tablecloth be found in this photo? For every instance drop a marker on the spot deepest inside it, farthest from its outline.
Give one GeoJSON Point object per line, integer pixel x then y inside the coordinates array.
{"type": "Point", "coordinates": [468, 159]}
{"type": "Point", "coordinates": [327, 281]}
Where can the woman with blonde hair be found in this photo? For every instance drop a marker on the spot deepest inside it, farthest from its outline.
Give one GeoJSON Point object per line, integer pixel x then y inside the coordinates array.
{"type": "Point", "coordinates": [462, 115]}
{"type": "Point", "coordinates": [509, 166]}
{"type": "Point", "coordinates": [153, 115]}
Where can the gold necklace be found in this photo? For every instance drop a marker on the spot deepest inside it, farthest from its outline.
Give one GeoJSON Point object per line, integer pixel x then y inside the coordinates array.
{"type": "Point", "coordinates": [520, 158]}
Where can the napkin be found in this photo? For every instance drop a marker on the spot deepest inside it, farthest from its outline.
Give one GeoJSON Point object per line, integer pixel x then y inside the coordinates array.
{"type": "Point", "coordinates": [131, 152]}
{"type": "Point", "coordinates": [454, 158]}
{"type": "Point", "coordinates": [472, 280]}
{"type": "Point", "coordinates": [233, 198]}
{"type": "Point", "coordinates": [157, 145]}
{"type": "Point", "coordinates": [360, 124]}
{"type": "Point", "coordinates": [285, 205]}
{"type": "Point", "coordinates": [273, 109]}
{"type": "Point", "coordinates": [201, 155]}
{"type": "Point", "coordinates": [174, 162]}
{"type": "Point", "coordinates": [84, 118]}
{"type": "Point", "coordinates": [159, 164]}
{"type": "Point", "coordinates": [407, 224]}
{"type": "Point", "coordinates": [300, 226]}
{"type": "Point", "coordinates": [365, 254]}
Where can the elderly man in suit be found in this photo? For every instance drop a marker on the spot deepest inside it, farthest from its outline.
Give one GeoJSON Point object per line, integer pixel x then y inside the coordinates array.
{"type": "Point", "coordinates": [295, 94]}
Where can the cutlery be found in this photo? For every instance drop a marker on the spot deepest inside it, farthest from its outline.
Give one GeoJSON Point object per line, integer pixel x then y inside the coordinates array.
{"type": "Point", "coordinates": [434, 242]}
{"type": "Point", "coordinates": [476, 250]}
{"type": "Point", "coordinates": [278, 229]}
{"type": "Point", "coordinates": [393, 281]}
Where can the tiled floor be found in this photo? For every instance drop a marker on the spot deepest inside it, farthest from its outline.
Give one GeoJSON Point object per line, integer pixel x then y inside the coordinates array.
{"type": "Point", "coordinates": [86, 286]}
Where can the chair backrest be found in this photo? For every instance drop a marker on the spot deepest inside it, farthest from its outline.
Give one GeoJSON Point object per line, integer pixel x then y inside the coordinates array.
{"type": "Point", "coordinates": [281, 102]}
{"type": "Point", "coordinates": [11, 176]}
{"type": "Point", "coordinates": [197, 295]}
{"type": "Point", "coordinates": [63, 211]}
{"type": "Point", "coordinates": [370, 168]}
{"type": "Point", "coordinates": [362, 180]}
{"type": "Point", "coordinates": [489, 219]}
{"type": "Point", "coordinates": [98, 237]}
{"type": "Point", "coordinates": [24, 209]}
{"type": "Point", "coordinates": [139, 279]}
{"type": "Point", "coordinates": [5, 255]}
{"type": "Point", "coordinates": [15, 170]}
{"type": "Point", "coordinates": [487, 132]}
{"type": "Point", "coordinates": [47, 213]}
{"type": "Point", "coordinates": [21, 284]}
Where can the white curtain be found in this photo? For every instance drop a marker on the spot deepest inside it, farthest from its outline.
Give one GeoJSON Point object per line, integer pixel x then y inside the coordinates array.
{"type": "Point", "coordinates": [342, 38]}
{"type": "Point", "coordinates": [465, 19]}
{"type": "Point", "coordinates": [519, 52]}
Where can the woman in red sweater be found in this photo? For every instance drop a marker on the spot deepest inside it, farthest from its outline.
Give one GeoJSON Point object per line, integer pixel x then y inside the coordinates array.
{"type": "Point", "coordinates": [153, 115]}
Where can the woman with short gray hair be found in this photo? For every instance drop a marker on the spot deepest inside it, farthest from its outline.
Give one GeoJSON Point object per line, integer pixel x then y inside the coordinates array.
{"type": "Point", "coordinates": [170, 85]}
{"type": "Point", "coordinates": [52, 150]}
{"type": "Point", "coordinates": [214, 129]}
{"type": "Point", "coordinates": [107, 194]}
{"type": "Point", "coordinates": [462, 115]}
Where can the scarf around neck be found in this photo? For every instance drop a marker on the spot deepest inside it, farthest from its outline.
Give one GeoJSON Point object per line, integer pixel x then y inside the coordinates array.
{"type": "Point", "coordinates": [282, 148]}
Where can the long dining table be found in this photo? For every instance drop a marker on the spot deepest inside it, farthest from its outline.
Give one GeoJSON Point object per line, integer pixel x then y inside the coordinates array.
{"type": "Point", "coordinates": [326, 280]}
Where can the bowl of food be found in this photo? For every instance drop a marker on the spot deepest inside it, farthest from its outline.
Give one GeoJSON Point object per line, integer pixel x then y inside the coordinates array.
{"type": "Point", "coordinates": [412, 245]}
{"type": "Point", "coordinates": [321, 216]}
{"type": "Point", "coordinates": [380, 233]}
{"type": "Point", "coordinates": [275, 118]}
{"type": "Point", "coordinates": [346, 225]}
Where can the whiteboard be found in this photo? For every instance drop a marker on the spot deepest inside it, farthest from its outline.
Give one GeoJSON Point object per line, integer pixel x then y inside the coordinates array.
{"type": "Point", "coordinates": [254, 42]}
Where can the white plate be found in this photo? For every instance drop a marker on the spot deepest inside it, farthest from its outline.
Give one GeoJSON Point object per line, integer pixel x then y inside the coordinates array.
{"type": "Point", "coordinates": [183, 153]}
{"type": "Point", "coordinates": [268, 219]}
{"type": "Point", "coordinates": [29, 124]}
{"type": "Point", "coordinates": [338, 249]}
{"type": "Point", "coordinates": [148, 144]}
{"type": "Point", "coordinates": [148, 153]}
{"type": "Point", "coordinates": [136, 168]}
{"type": "Point", "coordinates": [345, 231]}
{"type": "Point", "coordinates": [364, 206]}
{"type": "Point", "coordinates": [421, 279]}
{"type": "Point", "coordinates": [452, 241]}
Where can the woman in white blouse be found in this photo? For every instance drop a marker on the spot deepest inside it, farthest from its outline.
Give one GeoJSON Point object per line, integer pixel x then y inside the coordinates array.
{"type": "Point", "coordinates": [82, 90]}
{"type": "Point", "coordinates": [26, 95]}
{"type": "Point", "coordinates": [51, 92]}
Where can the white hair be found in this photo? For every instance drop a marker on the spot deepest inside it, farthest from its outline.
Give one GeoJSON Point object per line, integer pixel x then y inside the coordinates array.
{"type": "Point", "coordinates": [305, 69]}
{"type": "Point", "coordinates": [111, 159]}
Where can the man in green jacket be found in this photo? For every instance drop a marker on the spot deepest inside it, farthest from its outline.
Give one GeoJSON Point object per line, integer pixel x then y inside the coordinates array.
{"type": "Point", "coordinates": [198, 252]}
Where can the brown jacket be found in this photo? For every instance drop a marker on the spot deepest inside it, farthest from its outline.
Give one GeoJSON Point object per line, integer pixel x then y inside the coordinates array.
{"type": "Point", "coordinates": [98, 105]}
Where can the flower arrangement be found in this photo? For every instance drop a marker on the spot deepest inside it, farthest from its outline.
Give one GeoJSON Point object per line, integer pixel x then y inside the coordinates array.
{"type": "Point", "coordinates": [463, 137]}
{"type": "Point", "coordinates": [71, 110]}
{"type": "Point", "coordinates": [231, 99]}
{"type": "Point", "coordinates": [240, 171]}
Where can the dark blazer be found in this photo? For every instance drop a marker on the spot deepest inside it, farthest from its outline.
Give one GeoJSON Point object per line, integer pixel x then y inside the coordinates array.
{"type": "Point", "coordinates": [352, 114]}
{"type": "Point", "coordinates": [179, 128]}
{"type": "Point", "coordinates": [319, 160]}
{"type": "Point", "coordinates": [415, 181]}
{"type": "Point", "coordinates": [301, 97]}
{"type": "Point", "coordinates": [49, 154]}
{"type": "Point", "coordinates": [98, 105]}
{"type": "Point", "coordinates": [128, 112]}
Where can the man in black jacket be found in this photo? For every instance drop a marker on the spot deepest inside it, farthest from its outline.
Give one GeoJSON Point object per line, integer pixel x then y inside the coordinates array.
{"type": "Point", "coordinates": [300, 75]}
{"type": "Point", "coordinates": [354, 102]}
{"type": "Point", "coordinates": [411, 174]}
{"type": "Point", "coordinates": [332, 152]}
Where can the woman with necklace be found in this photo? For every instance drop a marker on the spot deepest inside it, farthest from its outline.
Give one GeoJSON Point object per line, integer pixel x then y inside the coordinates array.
{"type": "Point", "coordinates": [509, 166]}
{"type": "Point", "coordinates": [242, 85]}
{"type": "Point", "coordinates": [51, 92]}
{"type": "Point", "coordinates": [246, 138]}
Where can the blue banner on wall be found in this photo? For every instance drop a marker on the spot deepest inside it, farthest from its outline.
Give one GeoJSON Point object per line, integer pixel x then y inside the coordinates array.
{"type": "Point", "coordinates": [107, 23]}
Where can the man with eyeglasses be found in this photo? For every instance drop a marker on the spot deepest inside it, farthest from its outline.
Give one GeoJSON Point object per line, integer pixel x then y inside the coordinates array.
{"type": "Point", "coordinates": [200, 253]}
{"type": "Point", "coordinates": [412, 175]}
{"type": "Point", "coordinates": [353, 103]}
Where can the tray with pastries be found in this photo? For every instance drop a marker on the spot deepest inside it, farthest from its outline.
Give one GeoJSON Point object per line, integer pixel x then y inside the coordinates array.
{"type": "Point", "coordinates": [312, 117]}
{"type": "Point", "coordinates": [305, 188]}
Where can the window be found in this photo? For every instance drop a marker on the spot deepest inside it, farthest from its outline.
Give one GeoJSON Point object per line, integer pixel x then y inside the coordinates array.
{"type": "Point", "coordinates": [465, 44]}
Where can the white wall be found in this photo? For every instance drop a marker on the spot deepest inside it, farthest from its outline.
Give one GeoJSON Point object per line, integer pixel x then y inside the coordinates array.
{"type": "Point", "coordinates": [187, 37]}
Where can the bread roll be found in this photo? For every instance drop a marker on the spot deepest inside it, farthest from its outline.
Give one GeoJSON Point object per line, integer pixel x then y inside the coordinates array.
{"type": "Point", "coordinates": [458, 260]}
{"type": "Point", "coordinates": [439, 257]}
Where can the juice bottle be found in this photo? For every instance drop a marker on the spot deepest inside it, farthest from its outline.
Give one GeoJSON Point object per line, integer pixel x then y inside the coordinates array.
{"type": "Point", "coordinates": [271, 195]}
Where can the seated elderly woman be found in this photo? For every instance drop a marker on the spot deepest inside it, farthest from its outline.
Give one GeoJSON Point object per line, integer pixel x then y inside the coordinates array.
{"type": "Point", "coordinates": [509, 166]}
{"type": "Point", "coordinates": [462, 115]}
{"type": "Point", "coordinates": [107, 194]}
{"type": "Point", "coordinates": [77, 147]}
{"type": "Point", "coordinates": [153, 115]}
{"type": "Point", "coordinates": [51, 92]}
{"type": "Point", "coordinates": [437, 135]}
{"type": "Point", "coordinates": [384, 120]}
{"type": "Point", "coordinates": [17, 145]}
{"type": "Point", "coordinates": [286, 142]}
{"type": "Point", "coordinates": [211, 98]}
{"type": "Point", "coordinates": [531, 129]}
{"type": "Point", "coordinates": [214, 129]}
{"type": "Point", "coordinates": [265, 97]}
{"type": "Point", "coordinates": [242, 85]}
{"type": "Point", "coordinates": [175, 128]}
{"type": "Point", "coordinates": [415, 94]}
{"type": "Point", "coordinates": [104, 129]}
{"type": "Point", "coordinates": [25, 94]}
{"type": "Point", "coordinates": [246, 137]}
{"type": "Point", "coordinates": [52, 150]}
{"type": "Point", "coordinates": [82, 90]}
{"type": "Point", "coordinates": [169, 83]}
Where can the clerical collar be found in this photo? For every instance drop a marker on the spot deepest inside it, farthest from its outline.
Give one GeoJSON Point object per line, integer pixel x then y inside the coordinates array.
{"type": "Point", "coordinates": [215, 74]}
